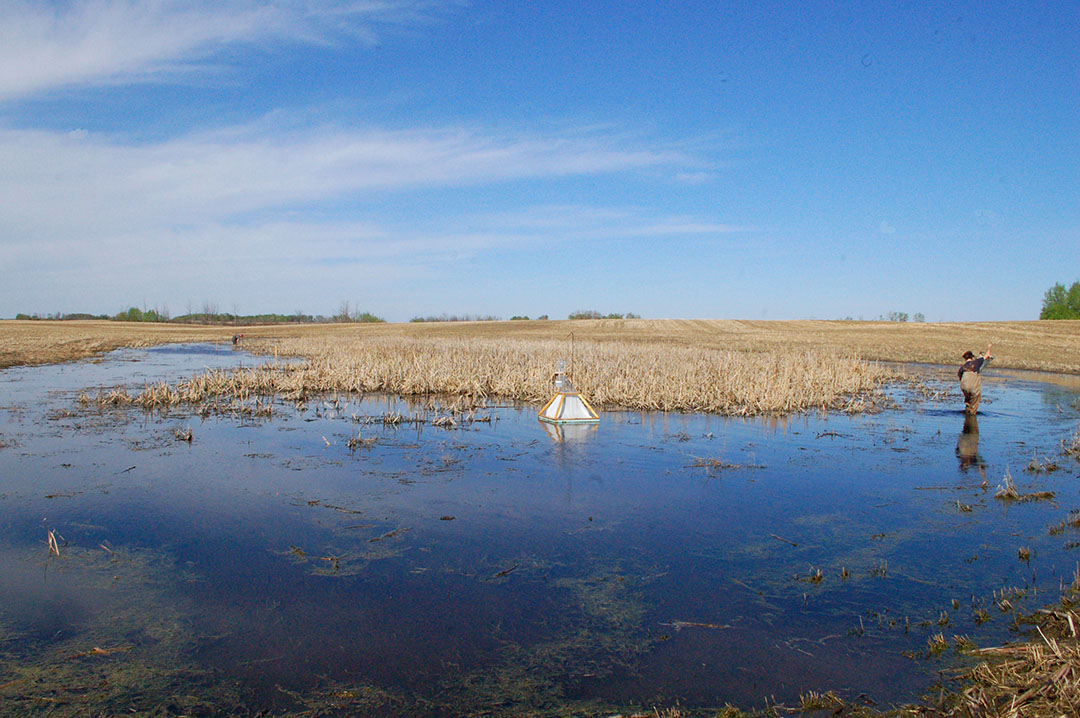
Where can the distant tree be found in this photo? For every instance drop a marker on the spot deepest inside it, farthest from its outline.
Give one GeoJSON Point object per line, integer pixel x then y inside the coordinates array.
{"type": "Point", "coordinates": [543, 317]}
{"type": "Point", "coordinates": [631, 315]}
{"type": "Point", "coordinates": [1061, 303]}
{"type": "Point", "coordinates": [519, 318]}
{"type": "Point", "coordinates": [83, 315]}
{"type": "Point", "coordinates": [897, 316]}
{"type": "Point", "coordinates": [919, 317]}
{"type": "Point", "coordinates": [585, 314]}
{"type": "Point", "coordinates": [134, 314]}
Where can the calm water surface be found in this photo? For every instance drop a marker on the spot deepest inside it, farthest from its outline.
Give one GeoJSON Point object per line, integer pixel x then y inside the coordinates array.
{"type": "Point", "coordinates": [499, 566]}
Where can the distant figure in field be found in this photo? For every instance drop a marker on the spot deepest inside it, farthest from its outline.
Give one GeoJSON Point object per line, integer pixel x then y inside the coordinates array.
{"type": "Point", "coordinates": [970, 381]}
{"type": "Point", "coordinates": [237, 337]}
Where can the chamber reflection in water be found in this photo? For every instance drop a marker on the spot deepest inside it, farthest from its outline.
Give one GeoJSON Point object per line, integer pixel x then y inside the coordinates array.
{"type": "Point", "coordinates": [571, 433]}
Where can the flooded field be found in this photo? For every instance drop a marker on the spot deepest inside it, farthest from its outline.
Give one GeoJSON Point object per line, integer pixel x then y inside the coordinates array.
{"type": "Point", "coordinates": [348, 556]}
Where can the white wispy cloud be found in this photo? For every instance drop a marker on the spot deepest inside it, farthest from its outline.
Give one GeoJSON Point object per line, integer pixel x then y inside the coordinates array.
{"type": "Point", "coordinates": [61, 182]}
{"type": "Point", "coordinates": [48, 46]}
{"type": "Point", "coordinates": [590, 222]}
{"type": "Point", "coordinates": [95, 218]}
{"type": "Point", "coordinates": [278, 202]}
{"type": "Point", "coordinates": [301, 264]}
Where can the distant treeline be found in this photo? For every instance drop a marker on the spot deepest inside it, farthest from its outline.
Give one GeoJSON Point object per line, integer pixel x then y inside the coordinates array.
{"type": "Point", "coordinates": [593, 314]}
{"type": "Point", "coordinates": [456, 318]}
{"type": "Point", "coordinates": [1061, 303]}
{"type": "Point", "coordinates": [61, 316]}
{"type": "Point", "coordinates": [580, 314]}
{"type": "Point", "coordinates": [134, 314]}
{"type": "Point", "coordinates": [344, 315]}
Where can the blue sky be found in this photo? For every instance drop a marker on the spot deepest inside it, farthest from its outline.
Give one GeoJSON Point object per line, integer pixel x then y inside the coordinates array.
{"type": "Point", "coordinates": [724, 160]}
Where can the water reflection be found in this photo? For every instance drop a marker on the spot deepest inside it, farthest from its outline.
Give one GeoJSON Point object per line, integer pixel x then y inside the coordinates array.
{"type": "Point", "coordinates": [967, 445]}
{"type": "Point", "coordinates": [569, 433]}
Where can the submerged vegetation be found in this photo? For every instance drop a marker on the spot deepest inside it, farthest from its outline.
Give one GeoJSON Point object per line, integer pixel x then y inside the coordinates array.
{"type": "Point", "coordinates": [137, 657]}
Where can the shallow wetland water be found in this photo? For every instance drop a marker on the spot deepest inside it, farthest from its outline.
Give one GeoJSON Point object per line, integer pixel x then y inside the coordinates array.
{"type": "Point", "coordinates": [500, 566]}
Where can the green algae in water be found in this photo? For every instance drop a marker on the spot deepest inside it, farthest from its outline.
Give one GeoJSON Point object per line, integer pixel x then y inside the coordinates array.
{"type": "Point", "coordinates": [129, 653]}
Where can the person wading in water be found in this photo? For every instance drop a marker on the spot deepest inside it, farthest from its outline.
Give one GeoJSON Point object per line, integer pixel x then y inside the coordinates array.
{"type": "Point", "coordinates": [970, 381]}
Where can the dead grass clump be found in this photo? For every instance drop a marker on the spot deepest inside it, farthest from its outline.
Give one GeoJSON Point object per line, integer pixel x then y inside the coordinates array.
{"type": "Point", "coordinates": [720, 465]}
{"type": "Point", "coordinates": [1046, 466]}
{"type": "Point", "coordinates": [114, 397]}
{"type": "Point", "coordinates": [936, 644]}
{"type": "Point", "coordinates": [963, 644]}
{"type": "Point", "coordinates": [1071, 445]}
{"type": "Point", "coordinates": [812, 701]}
{"type": "Point", "coordinates": [1007, 489]}
{"type": "Point", "coordinates": [360, 442]}
{"type": "Point", "coordinates": [1038, 678]}
{"type": "Point", "coordinates": [1007, 492]}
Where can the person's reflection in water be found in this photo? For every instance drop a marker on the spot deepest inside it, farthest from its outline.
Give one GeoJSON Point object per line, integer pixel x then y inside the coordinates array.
{"type": "Point", "coordinates": [967, 446]}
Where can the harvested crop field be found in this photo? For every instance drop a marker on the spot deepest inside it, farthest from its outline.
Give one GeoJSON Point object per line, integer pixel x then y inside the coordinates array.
{"type": "Point", "coordinates": [1043, 346]}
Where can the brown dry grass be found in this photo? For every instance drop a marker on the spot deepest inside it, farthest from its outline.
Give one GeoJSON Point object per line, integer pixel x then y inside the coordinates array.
{"type": "Point", "coordinates": [45, 342]}
{"type": "Point", "coordinates": [613, 374]}
{"type": "Point", "coordinates": [724, 367]}
{"type": "Point", "coordinates": [1037, 678]}
{"type": "Point", "coordinates": [1047, 345]}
